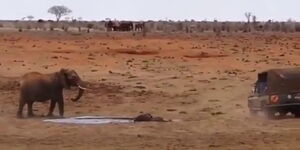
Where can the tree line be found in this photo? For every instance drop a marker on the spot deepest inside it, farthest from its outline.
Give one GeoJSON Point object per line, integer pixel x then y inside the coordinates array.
{"type": "Point", "coordinates": [250, 25]}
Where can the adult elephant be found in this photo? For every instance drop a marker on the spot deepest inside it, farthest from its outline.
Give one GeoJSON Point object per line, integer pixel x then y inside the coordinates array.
{"type": "Point", "coordinates": [125, 26]}
{"type": "Point", "coordinates": [38, 87]}
{"type": "Point", "coordinates": [109, 25]}
{"type": "Point", "coordinates": [139, 26]}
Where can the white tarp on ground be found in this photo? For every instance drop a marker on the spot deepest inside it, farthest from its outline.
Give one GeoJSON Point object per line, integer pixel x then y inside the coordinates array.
{"type": "Point", "coordinates": [92, 120]}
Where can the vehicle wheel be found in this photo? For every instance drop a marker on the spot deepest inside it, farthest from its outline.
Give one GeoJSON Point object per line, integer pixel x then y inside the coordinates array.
{"type": "Point", "coordinates": [270, 114]}
{"type": "Point", "coordinates": [282, 113]}
{"type": "Point", "coordinates": [253, 112]}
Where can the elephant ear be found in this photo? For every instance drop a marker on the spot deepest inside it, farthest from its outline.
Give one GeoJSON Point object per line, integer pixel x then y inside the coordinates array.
{"type": "Point", "coordinates": [63, 78]}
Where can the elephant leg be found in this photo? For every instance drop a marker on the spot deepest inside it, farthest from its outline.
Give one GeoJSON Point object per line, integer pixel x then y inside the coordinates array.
{"type": "Point", "coordinates": [60, 100]}
{"type": "Point", "coordinates": [29, 107]}
{"type": "Point", "coordinates": [51, 109]}
{"type": "Point", "coordinates": [61, 107]}
{"type": "Point", "coordinates": [20, 110]}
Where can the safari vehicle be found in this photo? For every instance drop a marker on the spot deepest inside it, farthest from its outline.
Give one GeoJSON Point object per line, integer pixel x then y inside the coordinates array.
{"type": "Point", "coordinates": [276, 91]}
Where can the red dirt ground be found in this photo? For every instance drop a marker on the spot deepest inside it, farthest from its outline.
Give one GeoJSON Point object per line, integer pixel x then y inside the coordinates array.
{"type": "Point", "coordinates": [201, 81]}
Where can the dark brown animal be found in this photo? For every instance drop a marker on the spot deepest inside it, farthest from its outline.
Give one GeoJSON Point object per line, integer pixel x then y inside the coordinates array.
{"type": "Point", "coordinates": [37, 87]}
{"type": "Point", "coordinates": [139, 26]}
{"type": "Point", "coordinates": [109, 25]}
{"type": "Point", "coordinates": [119, 26]}
{"type": "Point", "coordinates": [40, 21]}
{"type": "Point", "coordinates": [148, 117]}
{"type": "Point", "coordinates": [125, 26]}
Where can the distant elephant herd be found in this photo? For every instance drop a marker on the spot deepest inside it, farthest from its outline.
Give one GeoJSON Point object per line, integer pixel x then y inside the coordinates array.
{"type": "Point", "coordinates": [114, 25]}
{"type": "Point", "coordinates": [38, 87]}
{"type": "Point", "coordinates": [124, 26]}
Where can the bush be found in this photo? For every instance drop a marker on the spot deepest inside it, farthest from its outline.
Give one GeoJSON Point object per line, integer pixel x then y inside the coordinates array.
{"type": "Point", "coordinates": [89, 26]}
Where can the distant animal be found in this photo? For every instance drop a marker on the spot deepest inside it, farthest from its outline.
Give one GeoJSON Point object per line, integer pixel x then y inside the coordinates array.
{"type": "Point", "coordinates": [125, 26]}
{"type": "Point", "coordinates": [109, 25]}
{"type": "Point", "coordinates": [119, 26]}
{"type": "Point", "coordinates": [38, 87]}
{"type": "Point", "coordinates": [40, 21]}
{"type": "Point", "coordinates": [139, 26]}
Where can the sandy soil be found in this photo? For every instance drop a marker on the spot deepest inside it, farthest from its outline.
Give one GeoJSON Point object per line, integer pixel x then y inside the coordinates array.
{"type": "Point", "coordinates": [200, 81]}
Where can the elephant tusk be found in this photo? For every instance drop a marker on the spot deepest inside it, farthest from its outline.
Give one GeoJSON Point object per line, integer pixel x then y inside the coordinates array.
{"type": "Point", "coordinates": [81, 87]}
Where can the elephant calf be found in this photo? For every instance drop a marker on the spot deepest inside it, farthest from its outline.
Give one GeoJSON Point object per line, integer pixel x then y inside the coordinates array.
{"type": "Point", "coordinates": [37, 87]}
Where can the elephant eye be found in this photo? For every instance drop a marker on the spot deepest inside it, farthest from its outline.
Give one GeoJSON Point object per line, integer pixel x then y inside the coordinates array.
{"type": "Point", "coordinates": [73, 78]}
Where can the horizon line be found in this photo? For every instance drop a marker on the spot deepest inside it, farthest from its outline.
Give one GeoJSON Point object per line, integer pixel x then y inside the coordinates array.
{"type": "Point", "coordinates": [156, 20]}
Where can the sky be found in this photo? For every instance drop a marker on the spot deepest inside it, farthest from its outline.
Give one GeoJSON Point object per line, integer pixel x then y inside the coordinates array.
{"type": "Point", "coordinates": [221, 10]}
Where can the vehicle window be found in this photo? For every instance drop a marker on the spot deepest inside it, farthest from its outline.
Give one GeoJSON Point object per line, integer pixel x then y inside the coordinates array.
{"type": "Point", "coordinates": [261, 84]}
{"type": "Point", "coordinates": [261, 88]}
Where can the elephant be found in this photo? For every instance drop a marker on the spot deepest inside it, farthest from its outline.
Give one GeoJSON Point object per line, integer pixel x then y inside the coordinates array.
{"type": "Point", "coordinates": [119, 26]}
{"type": "Point", "coordinates": [139, 26]}
{"type": "Point", "coordinates": [38, 87]}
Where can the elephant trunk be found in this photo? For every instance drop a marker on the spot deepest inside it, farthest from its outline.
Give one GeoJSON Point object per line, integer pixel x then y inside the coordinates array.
{"type": "Point", "coordinates": [80, 93]}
